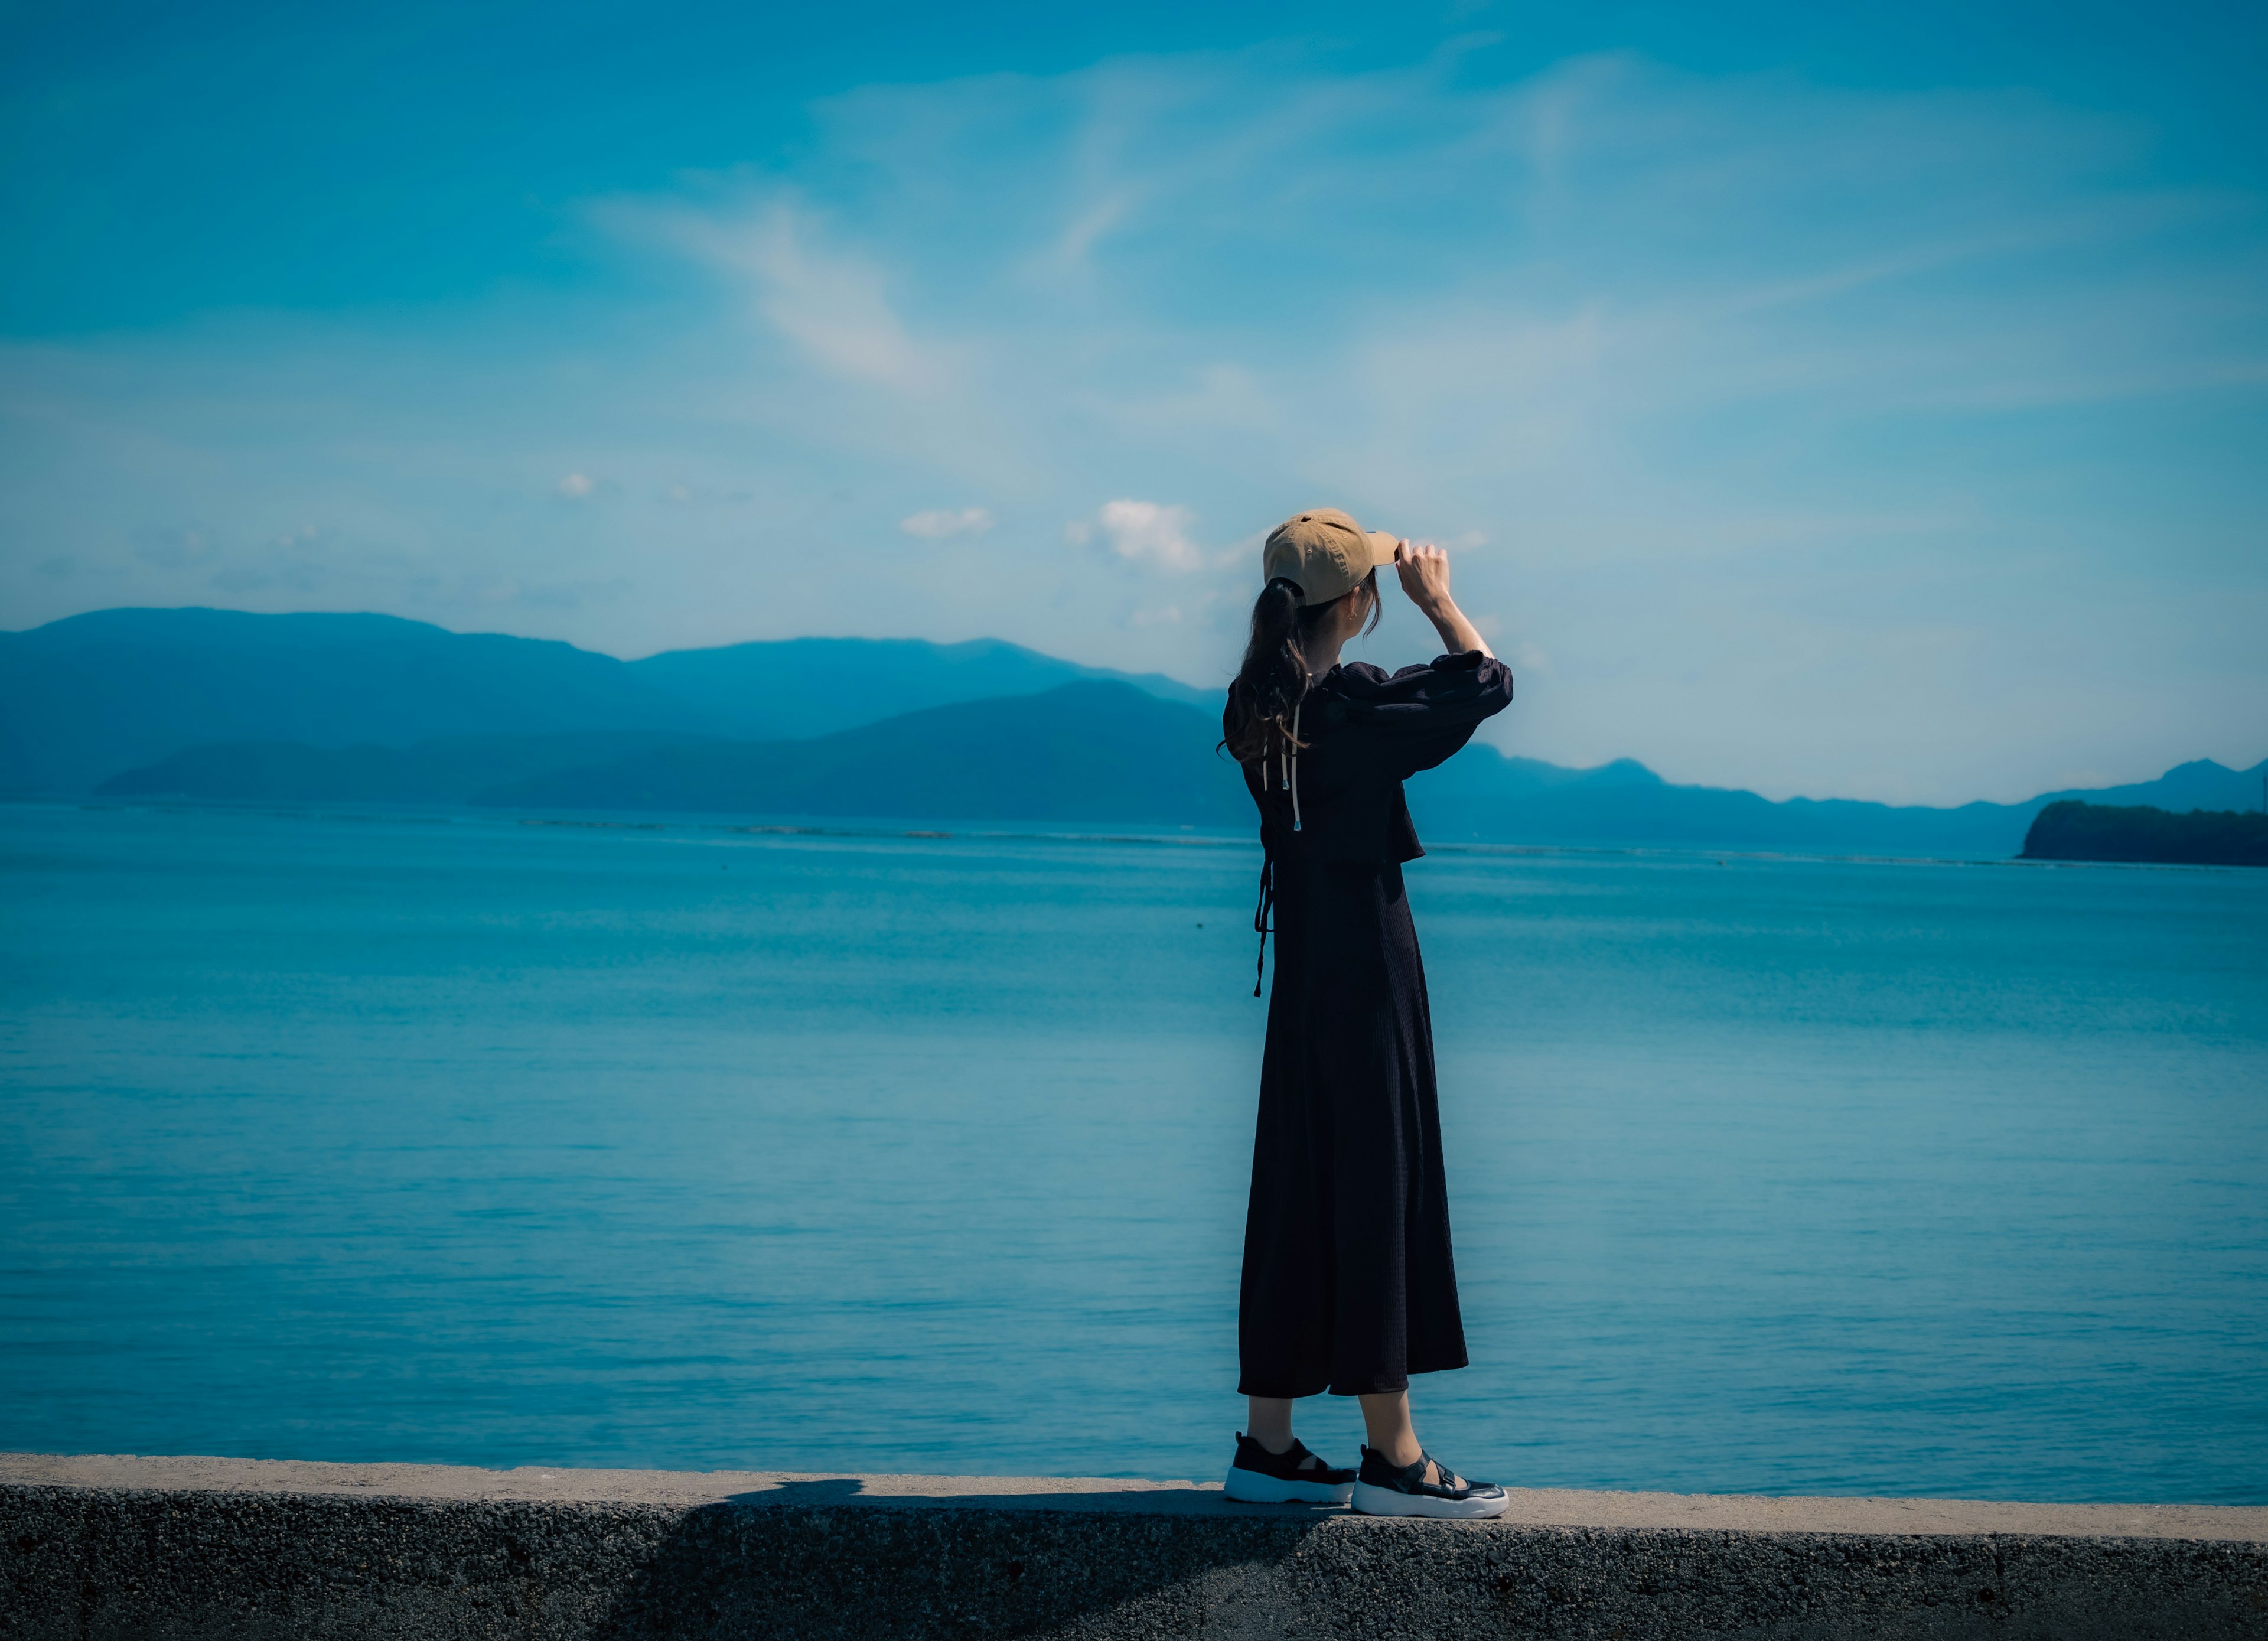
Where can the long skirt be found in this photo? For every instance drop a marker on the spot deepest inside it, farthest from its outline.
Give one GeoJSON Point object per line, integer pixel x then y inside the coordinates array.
{"type": "Point", "coordinates": [1349, 1284]}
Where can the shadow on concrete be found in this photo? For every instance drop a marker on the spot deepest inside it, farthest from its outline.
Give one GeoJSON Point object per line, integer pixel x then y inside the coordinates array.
{"type": "Point", "coordinates": [822, 1558]}
{"type": "Point", "coordinates": [838, 1490]}
{"type": "Point", "coordinates": [1211, 1504]}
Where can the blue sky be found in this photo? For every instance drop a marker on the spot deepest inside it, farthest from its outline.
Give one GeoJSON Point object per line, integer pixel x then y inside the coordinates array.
{"type": "Point", "coordinates": [1849, 407]}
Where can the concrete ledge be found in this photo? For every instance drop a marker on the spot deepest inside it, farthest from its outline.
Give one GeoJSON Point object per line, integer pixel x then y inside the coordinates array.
{"type": "Point", "coordinates": [97, 1547]}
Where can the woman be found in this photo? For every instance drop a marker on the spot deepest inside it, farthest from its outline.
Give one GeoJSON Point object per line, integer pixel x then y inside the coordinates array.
{"type": "Point", "coordinates": [1347, 1282]}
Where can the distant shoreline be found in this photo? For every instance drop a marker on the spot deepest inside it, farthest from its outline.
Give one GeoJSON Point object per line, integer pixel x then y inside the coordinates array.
{"type": "Point", "coordinates": [983, 831]}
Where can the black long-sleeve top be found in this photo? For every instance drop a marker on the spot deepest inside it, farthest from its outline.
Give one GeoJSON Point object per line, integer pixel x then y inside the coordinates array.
{"type": "Point", "coordinates": [1365, 733]}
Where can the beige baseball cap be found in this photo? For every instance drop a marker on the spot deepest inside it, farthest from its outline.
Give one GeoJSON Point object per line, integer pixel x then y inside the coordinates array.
{"type": "Point", "coordinates": [1326, 552]}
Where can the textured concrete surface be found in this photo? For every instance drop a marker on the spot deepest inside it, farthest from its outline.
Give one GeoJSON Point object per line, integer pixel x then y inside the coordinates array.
{"type": "Point", "coordinates": [93, 1547]}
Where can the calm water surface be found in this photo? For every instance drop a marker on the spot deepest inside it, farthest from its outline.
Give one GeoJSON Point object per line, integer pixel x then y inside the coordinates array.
{"type": "Point", "coordinates": [480, 1143]}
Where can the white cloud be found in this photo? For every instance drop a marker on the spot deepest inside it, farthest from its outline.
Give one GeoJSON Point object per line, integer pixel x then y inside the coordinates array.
{"type": "Point", "coordinates": [1149, 533]}
{"type": "Point", "coordinates": [940, 522]}
{"type": "Point", "coordinates": [576, 486]}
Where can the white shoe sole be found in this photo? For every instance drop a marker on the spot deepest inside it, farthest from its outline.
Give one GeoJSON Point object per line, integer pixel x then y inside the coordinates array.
{"type": "Point", "coordinates": [1385, 1501]}
{"type": "Point", "coordinates": [1252, 1487]}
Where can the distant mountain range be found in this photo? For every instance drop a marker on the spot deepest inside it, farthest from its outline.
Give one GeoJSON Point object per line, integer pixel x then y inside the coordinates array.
{"type": "Point", "coordinates": [219, 706]}
{"type": "Point", "coordinates": [1086, 752]}
{"type": "Point", "coordinates": [83, 699]}
{"type": "Point", "coordinates": [1476, 796]}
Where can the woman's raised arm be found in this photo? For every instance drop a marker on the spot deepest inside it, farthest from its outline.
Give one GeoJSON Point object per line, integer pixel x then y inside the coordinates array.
{"type": "Point", "coordinates": [1424, 572]}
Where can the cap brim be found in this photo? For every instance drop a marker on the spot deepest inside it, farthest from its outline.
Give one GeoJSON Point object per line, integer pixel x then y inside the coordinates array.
{"type": "Point", "coordinates": [1381, 547]}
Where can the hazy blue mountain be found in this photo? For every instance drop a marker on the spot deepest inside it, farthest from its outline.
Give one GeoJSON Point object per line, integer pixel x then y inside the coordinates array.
{"type": "Point", "coordinates": [1086, 753]}
{"type": "Point", "coordinates": [97, 694]}
{"type": "Point", "coordinates": [449, 770]}
{"type": "Point", "coordinates": [795, 688]}
{"type": "Point", "coordinates": [2200, 784]}
{"type": "Point", "coordinates": [86, 698]}
{"type": "Point", "coordinates": [1100, 751]}
{"type": "Point", "coordinates": [220, 706]}
{"type": "Point", "coordinates": [1482, 795]}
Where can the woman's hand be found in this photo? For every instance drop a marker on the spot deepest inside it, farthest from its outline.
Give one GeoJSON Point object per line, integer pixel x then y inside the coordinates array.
{"type": "Point", "coordinates": [1424, 572]}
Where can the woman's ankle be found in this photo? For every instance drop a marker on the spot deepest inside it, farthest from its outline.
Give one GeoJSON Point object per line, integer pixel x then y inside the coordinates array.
{"type": "Point", "coordinates": [1268, 1423]}
{"type": "Point", "coordinates": [1386, 1419]}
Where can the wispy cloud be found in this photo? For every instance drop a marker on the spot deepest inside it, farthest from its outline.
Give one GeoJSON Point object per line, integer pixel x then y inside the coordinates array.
{"type": "Point", "coordinates": [939, 523]}
{"type": "Point", "coordinates": [832, 303]}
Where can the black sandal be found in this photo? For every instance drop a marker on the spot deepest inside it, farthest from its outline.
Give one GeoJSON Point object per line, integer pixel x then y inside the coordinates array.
{"type": "Point", "coordinates": [1258, 1477]}
{"type": "Point", "coordinates": [1382, 1489]}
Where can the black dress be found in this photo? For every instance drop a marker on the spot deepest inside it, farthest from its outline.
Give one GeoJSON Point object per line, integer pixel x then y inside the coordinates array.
{"type": "Point", "coordinates": [1349, 1284]}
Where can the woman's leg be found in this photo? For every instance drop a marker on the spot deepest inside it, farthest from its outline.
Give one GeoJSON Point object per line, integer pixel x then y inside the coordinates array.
{"type": "Point", "coordinates": [1270, 1422]}
{"type": "Point", "coordinates": [1386, 1417]}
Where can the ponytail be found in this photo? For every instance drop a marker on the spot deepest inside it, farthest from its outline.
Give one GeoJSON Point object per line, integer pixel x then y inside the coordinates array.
{"type": "Point", "coordinates": [1274, 677]}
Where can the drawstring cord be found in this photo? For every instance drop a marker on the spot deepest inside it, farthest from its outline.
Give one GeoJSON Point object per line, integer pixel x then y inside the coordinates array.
{"type": "Point", "coordinates": [1295, 762]}
{"type": "Point", "coordinates": [1260, 916]}
{"type": "Point", "coordinates": [1287, 758]}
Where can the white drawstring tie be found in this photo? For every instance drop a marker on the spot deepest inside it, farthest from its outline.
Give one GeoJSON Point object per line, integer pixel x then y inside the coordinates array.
{"type": "Point", "coordinates": [1287, 760]}
{"type": "Point", "coordinates": [1295, 763]}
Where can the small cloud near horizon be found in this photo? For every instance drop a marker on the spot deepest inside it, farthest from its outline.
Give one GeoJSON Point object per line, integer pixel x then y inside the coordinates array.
{"type": "Point", "coordinates": [939, 523]}
{"type": "Point", "coordinates": [576, 486]}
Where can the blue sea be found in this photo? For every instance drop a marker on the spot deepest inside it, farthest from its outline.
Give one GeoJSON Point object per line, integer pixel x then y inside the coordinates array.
{"type": "Point", "coordinates": [460, 1139]}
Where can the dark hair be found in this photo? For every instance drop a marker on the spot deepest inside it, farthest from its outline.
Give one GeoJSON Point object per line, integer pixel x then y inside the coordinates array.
{"type": "Point", "coordinates": [1274, 677]}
